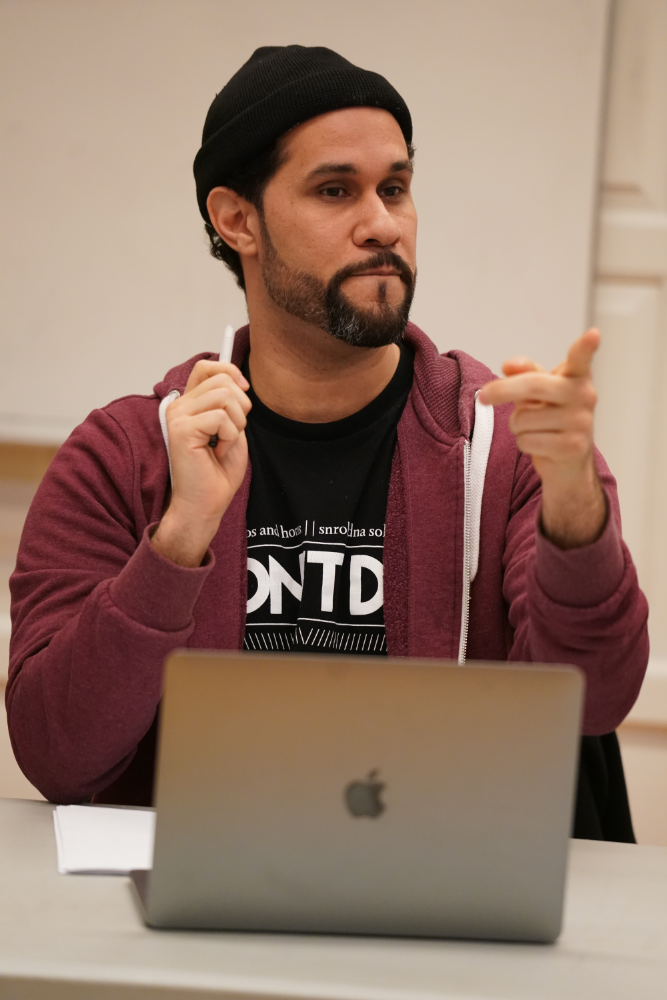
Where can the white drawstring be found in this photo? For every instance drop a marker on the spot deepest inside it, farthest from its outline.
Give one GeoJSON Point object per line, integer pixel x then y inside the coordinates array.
{"type": "Point", "coordinates": [164, 403]}
{"type": "Point", "coordinates": [480, 446]}
{"type": "Point", "coordinates": [475, 461]}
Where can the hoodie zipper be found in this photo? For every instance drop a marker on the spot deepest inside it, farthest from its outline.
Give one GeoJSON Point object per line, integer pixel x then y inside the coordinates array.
{"type": "Point", "coordinates": [467, 512]}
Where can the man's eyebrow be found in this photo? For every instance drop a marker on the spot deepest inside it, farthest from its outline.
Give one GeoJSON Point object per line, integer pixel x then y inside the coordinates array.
{"type": "Point", "coordinates": [333, 168]}
{"type": "Point", "coordinates": [350, 169]}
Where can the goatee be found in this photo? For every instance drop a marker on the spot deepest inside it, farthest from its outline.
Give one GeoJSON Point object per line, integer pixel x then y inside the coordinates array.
{"type": "Point", "coordinates": [326, 306]}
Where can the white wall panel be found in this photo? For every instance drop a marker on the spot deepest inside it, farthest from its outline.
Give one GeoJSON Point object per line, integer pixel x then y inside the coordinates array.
{"type": "Point", "coordinates": [631, 300]}
{"type": "Point", "coordinates": [636, 146]}
{"type": "Point", "coordinates": [631, 370]}
{"type": "Point", "coordinates": [105, 279]}
{"type": "Point", "coordinates": [625, 428]}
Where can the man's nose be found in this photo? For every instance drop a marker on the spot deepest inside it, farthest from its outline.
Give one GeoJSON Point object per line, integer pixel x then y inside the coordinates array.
{"type": "Point", "coordinates": [376, 226]}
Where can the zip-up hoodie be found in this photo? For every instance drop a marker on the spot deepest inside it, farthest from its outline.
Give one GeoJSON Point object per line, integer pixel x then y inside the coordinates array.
{"type": "Point", "coordinates": [466, 572]}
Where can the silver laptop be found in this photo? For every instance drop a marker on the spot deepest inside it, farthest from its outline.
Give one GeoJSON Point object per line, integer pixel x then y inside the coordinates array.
{"type": "Point", "coordinates": [363, 796]}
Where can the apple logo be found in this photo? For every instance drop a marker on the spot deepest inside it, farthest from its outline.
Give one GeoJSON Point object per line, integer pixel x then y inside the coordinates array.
{"type": "Point", "coordinates": [362, 798]}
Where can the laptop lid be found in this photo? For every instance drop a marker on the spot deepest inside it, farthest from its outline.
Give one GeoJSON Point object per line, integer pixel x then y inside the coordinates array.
{"type": "Point", "coordinates": [362, 795]}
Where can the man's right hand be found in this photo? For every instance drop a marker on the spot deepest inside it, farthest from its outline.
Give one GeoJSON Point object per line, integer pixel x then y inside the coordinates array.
{"type": "Point", "coordinates": [204, 479]}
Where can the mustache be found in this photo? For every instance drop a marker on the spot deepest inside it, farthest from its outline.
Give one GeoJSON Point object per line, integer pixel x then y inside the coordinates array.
{"type": "Point", "coordinates": [385, 258]}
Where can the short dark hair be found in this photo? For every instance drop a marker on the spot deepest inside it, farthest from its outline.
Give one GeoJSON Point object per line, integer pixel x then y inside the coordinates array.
{"type": "Point", "coordinates": [250, 182]}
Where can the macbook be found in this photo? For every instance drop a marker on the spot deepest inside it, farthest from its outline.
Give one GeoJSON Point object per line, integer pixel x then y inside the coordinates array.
{"type": "Point", "coordinates": [363, 796]}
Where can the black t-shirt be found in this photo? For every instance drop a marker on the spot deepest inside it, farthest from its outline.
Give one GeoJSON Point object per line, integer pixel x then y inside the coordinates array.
{"type": "Point", "coordinates": [315, 525]}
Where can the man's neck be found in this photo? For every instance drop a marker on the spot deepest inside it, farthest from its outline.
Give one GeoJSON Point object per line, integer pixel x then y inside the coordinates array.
{"type": "Point", "coordinates": [305, 374]}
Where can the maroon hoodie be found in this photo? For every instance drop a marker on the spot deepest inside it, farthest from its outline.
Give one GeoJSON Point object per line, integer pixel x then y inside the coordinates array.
{"type": "Point", "coordinates": [96, 609]}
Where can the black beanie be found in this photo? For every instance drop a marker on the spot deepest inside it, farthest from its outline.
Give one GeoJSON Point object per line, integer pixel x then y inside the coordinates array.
{"type": "Point", "coordinates": [280, 87]}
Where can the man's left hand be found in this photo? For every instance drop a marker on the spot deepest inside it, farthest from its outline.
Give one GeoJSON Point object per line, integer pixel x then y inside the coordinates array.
{"type": "Point", "coordinates": [553, 423]}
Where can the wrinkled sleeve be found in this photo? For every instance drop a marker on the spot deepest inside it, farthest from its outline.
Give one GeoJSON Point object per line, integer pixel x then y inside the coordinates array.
{"type": "Point", "coordinates": [95, 611]}
{"type": "Point", "coordinates": [582, 606]}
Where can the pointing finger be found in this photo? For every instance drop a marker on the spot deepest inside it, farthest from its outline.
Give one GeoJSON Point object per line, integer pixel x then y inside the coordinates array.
{"type": "Point", "coordinates": [580, 355]}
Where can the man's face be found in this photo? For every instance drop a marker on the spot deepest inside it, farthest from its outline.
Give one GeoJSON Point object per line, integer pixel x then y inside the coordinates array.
{"type": "Point", "coordinates": [338, 228]}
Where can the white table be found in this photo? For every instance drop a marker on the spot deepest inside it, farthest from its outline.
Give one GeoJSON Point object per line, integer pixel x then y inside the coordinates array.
{"type": "Point", "coordinates": [76, 937]}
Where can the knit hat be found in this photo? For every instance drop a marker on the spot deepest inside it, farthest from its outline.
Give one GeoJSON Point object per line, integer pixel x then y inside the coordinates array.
{"type": "Point", "coordinates": [280, 87]}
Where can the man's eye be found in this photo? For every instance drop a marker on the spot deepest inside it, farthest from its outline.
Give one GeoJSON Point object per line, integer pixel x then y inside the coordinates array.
{"type": "Point", "coordinates": [393, 191]}
{"type": "Point", "coordinates": [333, 191]}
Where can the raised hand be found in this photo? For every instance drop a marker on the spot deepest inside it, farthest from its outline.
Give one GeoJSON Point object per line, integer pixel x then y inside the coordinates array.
{"type": "Point", "coordinates": [553, 423]}
{"type": "Point", "coordinates": [204, 479]}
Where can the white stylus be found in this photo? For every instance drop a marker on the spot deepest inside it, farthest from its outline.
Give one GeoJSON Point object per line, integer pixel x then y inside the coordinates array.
{"type": "Point", "coordinates": [225, 356]}
{"type": "Point", "coordinates": [227, 344]}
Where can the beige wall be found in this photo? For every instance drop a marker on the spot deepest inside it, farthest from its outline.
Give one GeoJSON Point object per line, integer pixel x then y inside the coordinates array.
{"type": "Point", "coordinates": [105, 279]}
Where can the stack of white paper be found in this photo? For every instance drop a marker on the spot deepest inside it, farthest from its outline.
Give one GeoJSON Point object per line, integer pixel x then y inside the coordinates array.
{"type": "Point", "coordinates": [97, 840]}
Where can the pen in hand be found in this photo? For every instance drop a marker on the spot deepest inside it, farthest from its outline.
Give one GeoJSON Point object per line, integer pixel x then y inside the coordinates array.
{"type": "Point", "coordinates": [225, 356]}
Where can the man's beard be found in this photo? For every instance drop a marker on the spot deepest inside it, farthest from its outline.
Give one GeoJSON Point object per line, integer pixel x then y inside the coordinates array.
{"type": "Point", "coordinates": [324, 305]}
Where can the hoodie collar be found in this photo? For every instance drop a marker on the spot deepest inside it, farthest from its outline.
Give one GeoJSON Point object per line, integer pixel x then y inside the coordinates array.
{"type": "Point", "coordinates": [447, 382]}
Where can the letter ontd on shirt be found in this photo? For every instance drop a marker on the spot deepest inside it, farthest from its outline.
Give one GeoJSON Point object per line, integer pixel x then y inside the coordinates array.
{"type": "Point", "coordinates": [357, 606]}
{"type": "Point", "coordinates": [280, 578]}
{"type": "Point", "coordinates": [263, 584]}
{"type": "Point", "coordinates": [329, 561]}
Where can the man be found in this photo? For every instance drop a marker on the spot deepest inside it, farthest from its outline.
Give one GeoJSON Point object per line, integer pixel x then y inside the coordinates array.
{"type": "Point", "coordinates": [352, 527]}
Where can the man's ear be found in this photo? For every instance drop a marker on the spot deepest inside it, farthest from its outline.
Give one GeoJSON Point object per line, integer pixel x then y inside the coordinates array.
{"type": "Point", "coordinates": [234, 219]}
